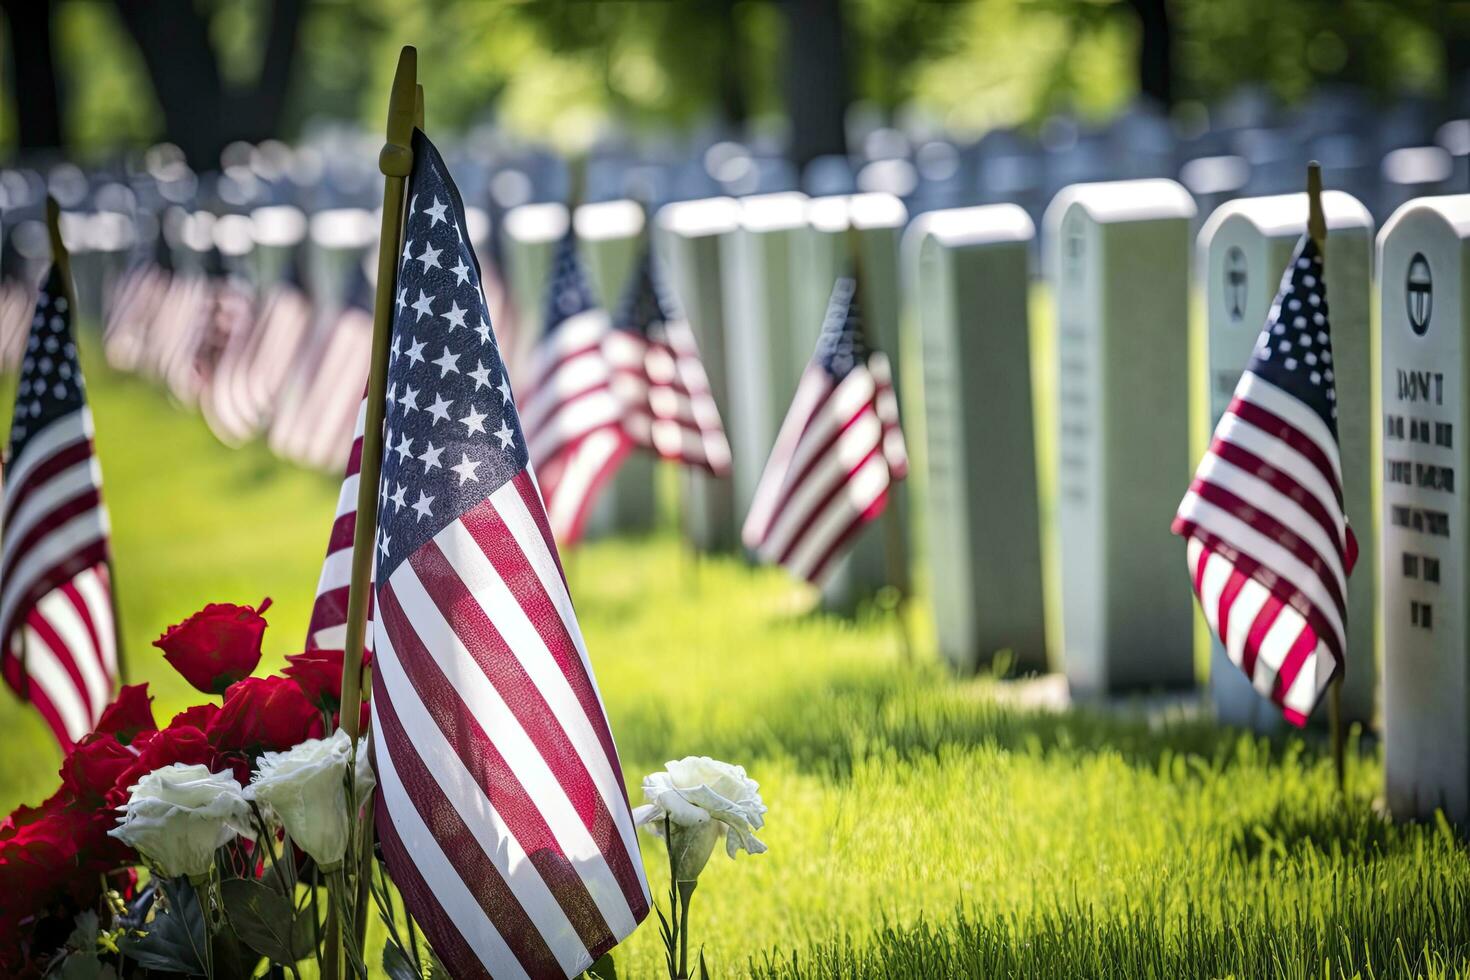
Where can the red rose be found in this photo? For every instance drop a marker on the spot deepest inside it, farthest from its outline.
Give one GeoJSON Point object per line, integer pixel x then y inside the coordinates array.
{"type": "Point", "coordinates": [319, 675]}
{"type": "Point", "coordinates": [130, 713]}
{"type": "Point", "coordinates": [158, 749]}
{"type": "Point", "coordinates": [264, 714]}
{"type": "Point", "coordinates": [50, 865]}
{"type": "Point", "coordinates": [198, 717]}
{"type": "Point", "coordinates": [216, 646]}
{"type": "Point", "coordinates": [92, 768]}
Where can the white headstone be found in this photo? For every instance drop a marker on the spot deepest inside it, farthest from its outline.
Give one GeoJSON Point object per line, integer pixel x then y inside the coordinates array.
{"type": "Point", "coordinates": [1117, 254]}
{"type": "Point", "coordinates": [764, 315]}
{"type": "Point", "coordinates": [879, 220]}
{"type": "Point", "coordinates": [690, 235]}
{"type": "Point", "coordinates": [1244, 249]}
{"type": "Point", "coordinates": [1423, 254]}
{"type": "Point", "coordinates": [969, 270]}
{"type": "Point", "coordinates": [610, 237]}
{"type": "Point", "coordinates": [529, 234]}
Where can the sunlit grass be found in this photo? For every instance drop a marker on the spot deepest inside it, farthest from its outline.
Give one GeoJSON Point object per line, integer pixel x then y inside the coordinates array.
{"type": "Point", "coordinates": [919, 826]}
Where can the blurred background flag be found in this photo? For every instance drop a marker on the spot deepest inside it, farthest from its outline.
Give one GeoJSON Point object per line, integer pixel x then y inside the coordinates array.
{"type": "Point", "coordinates": [837, 454]}
{"type": "Point", "coordinates": [56, 621]}
{"type": "Point", "coordinates": [658, 375]}
{"type": "Point", "coordinates": [572, 417]}
{"type": "Point", "coordinates": [319, 406]}
{"type": "Point", "coordinates": [501, 806]}
{"type": "Point", "coordinates": [1269, 545]}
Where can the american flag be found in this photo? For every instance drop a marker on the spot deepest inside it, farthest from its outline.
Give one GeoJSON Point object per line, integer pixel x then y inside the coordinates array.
{"type": "Point", "coordinates": [1269, 548]}
{"type": "Point", "coordinates": [256, 362]}
{"type": "Point", "coordinates": [836, 455]}
{"type": "Point", "coordinates": [135, 305]}
{"type": "Point", "coordinates": [327, 629]}
{"type": "Point", "coordinates": [658, 376]}
{"type": "Point", "coordinates": [572, 417]}
{"type": "Point", "coordinates": [319, 407]}
{"type": "Point", "coordinates": [17, 302]}
{"type": "Point", "coordinates": [501, 806]}
{"type": "Point", "coordinates": [227, 308]}
{"type": "Point", "coordinates": [56, 624]}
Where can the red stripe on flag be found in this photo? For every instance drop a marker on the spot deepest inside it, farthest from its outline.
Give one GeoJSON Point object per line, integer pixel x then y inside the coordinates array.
{"type": "Point", "coordinates": [536, 507]}
{"type": "Point", "coordinates": [1284, 431]}
{"type": "Point", "coordinates": [1262, 624]}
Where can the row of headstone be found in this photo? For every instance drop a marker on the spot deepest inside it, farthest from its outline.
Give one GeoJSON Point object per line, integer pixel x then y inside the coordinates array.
{"type": "Point", "coordinates": [1121, 263]}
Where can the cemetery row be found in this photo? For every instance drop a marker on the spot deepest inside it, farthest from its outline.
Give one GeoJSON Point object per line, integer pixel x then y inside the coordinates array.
{"type": "Point", "coordinates": [950, 288]}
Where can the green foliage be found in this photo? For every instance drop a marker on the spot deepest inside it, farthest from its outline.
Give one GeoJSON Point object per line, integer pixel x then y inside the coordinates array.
{"type": "Point", "coordinates": [565, 71]}
{"type": "Point", "coordinates": [177, 939]}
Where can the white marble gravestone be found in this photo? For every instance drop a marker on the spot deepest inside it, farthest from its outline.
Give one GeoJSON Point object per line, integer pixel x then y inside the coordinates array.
{"type": "Point", "coordinates": [1117, 255]}
{"type": "Point", "coordinates": [1423, 257]}
{"type": "Point", "coordinates": [689, 238]}
{"type": "Point", "coordinates": [610, 239]}
{"type": "Point", "coordinates": [340, 239]}
{"type": "Point", "coordinates": [969, 270]}
{"type": "Point", "coordinates": [1244, 248]}
{"type": "Point", "coordinates": [529, 234]}
{"type": "Point", "coordinates": [879, 220]}
{"type": "Point", "coordinates": [763, 318]}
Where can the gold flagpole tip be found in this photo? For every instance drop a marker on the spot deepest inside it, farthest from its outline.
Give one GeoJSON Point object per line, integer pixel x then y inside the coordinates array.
{"type": "Point", "coordinates": [1316, 220]}
{"type": "Point", "coordinates": [396, 159]}
{"type": "Point", "coordinates": [418, 106]}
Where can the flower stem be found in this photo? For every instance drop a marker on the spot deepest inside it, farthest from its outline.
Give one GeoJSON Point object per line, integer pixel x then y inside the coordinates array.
{"type": "Point", "coordinates": [686, 892]}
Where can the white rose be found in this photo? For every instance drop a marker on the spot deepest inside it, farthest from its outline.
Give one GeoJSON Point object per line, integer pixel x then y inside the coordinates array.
{"type": "Point", "coordinates": [178, 816]}
{"type": "Point", "coordinates": [305, 790]}
{"type": "Point", "coordinates": [702, 798]}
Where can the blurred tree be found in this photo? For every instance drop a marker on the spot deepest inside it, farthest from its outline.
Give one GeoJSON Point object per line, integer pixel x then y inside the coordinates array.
{"type": "Point", "coordinates": [201, 112]}
{"type": "Point", "coordinates": [33, 79]}
{"type": "Point", "coordinates": [817, 86]}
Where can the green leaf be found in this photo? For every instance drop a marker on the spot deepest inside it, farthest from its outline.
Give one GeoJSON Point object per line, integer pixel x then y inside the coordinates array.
{"type": "Point", "coordinates": [264, 920]}
{"type": "Point", "coordinates": [397, 964]}
{"type": "Point", "coordinates": [603, 968]}
{"type": "Point", "coordinates": [175, 940]}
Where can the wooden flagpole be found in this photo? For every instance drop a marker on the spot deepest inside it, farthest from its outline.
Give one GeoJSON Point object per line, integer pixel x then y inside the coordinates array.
{"type": "Point", "coordinates": [1317, 228]}
{"type": "Point", "coordinates": [405, 107]}
{"type": "Point", "coordinates": [61, 258]}
{"type": "Point", "coordinates": [396, 162]}
{"type": "Point", "coordinates": [892, 532]}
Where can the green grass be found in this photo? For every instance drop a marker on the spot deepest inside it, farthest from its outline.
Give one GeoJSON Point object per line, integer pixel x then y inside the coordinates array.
{"type": "Point", "coordinates": [919, 826]}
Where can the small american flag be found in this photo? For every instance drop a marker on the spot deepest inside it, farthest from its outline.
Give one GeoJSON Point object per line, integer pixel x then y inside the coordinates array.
{"type": "Point", "coordinates": [572, 417]}
{"type": "Point", "coordinates": [1269, 548]}
{"type": "Point", "coordinates": [255, 363]}
{"type": "Point", "coordinates": [501, 807]}
{"type": "Point", "coordinates": [56, 624]}
{"type": "Point", "coordinates": [837, 454]}
{"type": "Point", "coordinates": [319, 407]}
{"type": "Point", "coordinates": [658, 375]}
{"type": "Point", "coordinates": [135, 305]}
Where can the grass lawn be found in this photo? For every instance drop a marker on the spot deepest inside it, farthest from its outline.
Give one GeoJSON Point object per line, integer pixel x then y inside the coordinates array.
{"type": "Point", "coordinates": [919, 826]}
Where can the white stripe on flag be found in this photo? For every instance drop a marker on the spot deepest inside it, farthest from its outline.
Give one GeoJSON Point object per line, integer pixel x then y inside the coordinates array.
{"type": "Point", "coordinates": [95, 593]}
{"type": "Point", "coordinates": [44, 670]}
{"type": "Point", "coordinates": [76, 534]}
{"type": "Point", "coordinates": [64, 619]}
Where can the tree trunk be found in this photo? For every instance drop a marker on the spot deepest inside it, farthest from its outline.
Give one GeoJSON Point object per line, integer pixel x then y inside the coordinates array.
{"type": "Point", "coordinates": [816, 79]}
{"type": "Point", "coordinates": [200, 114]}
{"type": "Point", "coordinates": [37, 96]}
{"type": "Point", "coordinates": [1155, 51]}
{"type": "Point", "coordinates": [734, 107]}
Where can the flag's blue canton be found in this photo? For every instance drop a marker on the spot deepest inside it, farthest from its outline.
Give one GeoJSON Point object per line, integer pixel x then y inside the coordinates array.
{"type": "Point", "coordinates": [570, 292]}
{"type": "Point", "coordinates": [647, 306]}
{"type": "Point", "coordinates": [841, 346]}
{"type": "Point", "coordinates": [1294, 351]}
{"type": "Point", "coordinates": [452, 436]}
{"type": "Point", "coordinates": [50, 375]}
